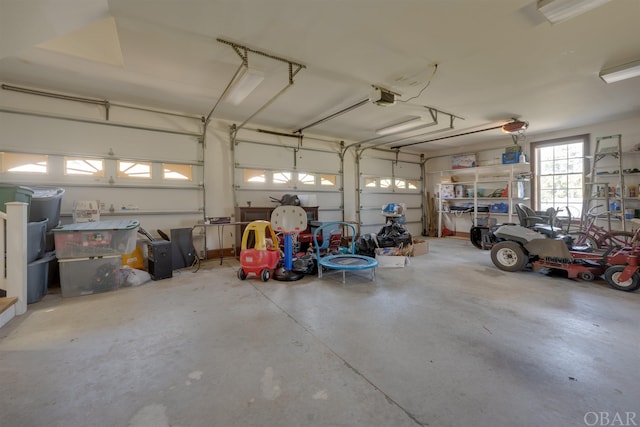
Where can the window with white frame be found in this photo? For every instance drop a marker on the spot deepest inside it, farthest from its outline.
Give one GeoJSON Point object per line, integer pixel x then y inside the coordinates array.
{"type": "Point", "coordinates": [560, 173]}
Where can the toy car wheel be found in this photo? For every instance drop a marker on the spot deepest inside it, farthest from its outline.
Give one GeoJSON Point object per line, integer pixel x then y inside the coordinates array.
{"type": "Point", "coordinates": [587, 275]}
{"type": "Point", "coordinates": [612, 276]}
{"type": "Point", "coordinates": [508, 256]}
{"type": "Point", "coordinates": [241, 274]}
{"type": "Point", "coordinates": [265, 275]}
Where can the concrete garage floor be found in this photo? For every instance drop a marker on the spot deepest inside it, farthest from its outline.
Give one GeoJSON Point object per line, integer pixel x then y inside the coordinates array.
{"type": "Point", "coordinates": [448, 340]}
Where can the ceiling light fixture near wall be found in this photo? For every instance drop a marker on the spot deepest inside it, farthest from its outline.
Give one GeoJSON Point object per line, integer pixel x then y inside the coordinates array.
{"type": "Point", "coordinates": [246, 82]}
{"type": "Point", "coordinates": [622, 72]}
{"type": "Point", "coordinates": [413, 123]}
{"type": "Point", "coordinates": [557, 11]}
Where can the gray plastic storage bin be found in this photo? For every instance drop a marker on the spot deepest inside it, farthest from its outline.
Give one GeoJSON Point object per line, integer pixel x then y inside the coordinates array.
{"type": "Point", "coordinates": [38, 278]}
{"type": "Point", "coordinates": [46, 203]}
{"type": "Point", "coordinates": [36, 239]}
{"type": "Point", "coordinates": [14, 193]}
{"type": "Point", "coordinates": [86, 276]}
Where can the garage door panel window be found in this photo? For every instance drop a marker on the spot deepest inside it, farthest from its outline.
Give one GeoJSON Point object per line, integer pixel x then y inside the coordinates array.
{"type": "Point", "coordinates": [177, 172]}
{"type": "Point", "coordinates": [127, 169]}
{"type": "Point", "coordinates": [84, 167]}
{"type": "Point", "coordinates": [282, 178]}
{"type": "Point", "coordinates": [371, 182]}
{"type": "Point", "coordinates": [406, 185]}
{"type": "Point", "coordinates": [327, 180]}
{"type": "Point", "coordinates": [306, 178]}
{"type": "Point", "coordinates": [254, 176]}
{"type": "Point", "coordinates": [25, 163]}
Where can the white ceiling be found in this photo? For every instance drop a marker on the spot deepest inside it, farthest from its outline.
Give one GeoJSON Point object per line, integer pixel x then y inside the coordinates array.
{"type": "Point", "coordinates": [496, 59]}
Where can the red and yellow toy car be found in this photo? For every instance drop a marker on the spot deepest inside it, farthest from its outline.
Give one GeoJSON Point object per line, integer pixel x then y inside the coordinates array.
{"type": "Point", "coordinates": [259, 253]}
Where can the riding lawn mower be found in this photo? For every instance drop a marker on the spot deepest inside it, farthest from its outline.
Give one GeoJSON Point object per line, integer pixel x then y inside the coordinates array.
{"type": "Point", "coordinates": [514, 247]}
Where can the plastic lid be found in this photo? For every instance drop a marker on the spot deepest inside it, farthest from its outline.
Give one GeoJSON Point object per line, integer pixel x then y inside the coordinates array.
{"type": "Point", "coordinates": [42, 192]}
{"type": "Point", "coordinates": [18, 188]}
{"type": "Point", "coordinates": [100, 225]}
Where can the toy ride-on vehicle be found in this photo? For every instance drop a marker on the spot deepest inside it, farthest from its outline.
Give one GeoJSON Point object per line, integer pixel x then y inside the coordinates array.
{"type": "Point", "coordinates": [259, 253]}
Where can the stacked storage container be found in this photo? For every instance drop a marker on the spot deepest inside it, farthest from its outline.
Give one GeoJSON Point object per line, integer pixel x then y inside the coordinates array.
{"type": "Point", "coordinates": [90, 254]}
{"type": "Point", "coordinates": [46, 203]}
{"type": "Point", "coordinates": [37, 260]}
{"type": "Point", "coordinates": [43, 272]}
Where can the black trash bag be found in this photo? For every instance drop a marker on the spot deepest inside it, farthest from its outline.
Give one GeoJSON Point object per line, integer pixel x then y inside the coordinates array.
{"type": "Point", "coordinates": [394, 235]}
{"type": "Point", "coordinates": [366, 245]}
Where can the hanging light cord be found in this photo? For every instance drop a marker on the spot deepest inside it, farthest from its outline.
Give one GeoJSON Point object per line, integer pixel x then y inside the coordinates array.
{"type": "Point", "coordinates": [435, 68]}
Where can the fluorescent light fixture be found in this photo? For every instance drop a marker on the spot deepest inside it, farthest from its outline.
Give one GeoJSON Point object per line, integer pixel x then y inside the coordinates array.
{"type": "Point", "coordinates": [245, 83]}
{"type": "Point", "coordinates": [557, 11]}
{"type": "Point", "coordinates": [622, 72]}
{"type": "Point", "coordinates": [413, 123]}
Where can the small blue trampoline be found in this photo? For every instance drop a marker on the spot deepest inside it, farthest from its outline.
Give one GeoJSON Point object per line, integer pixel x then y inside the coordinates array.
{"type": "Point", "coordinates": [341, 262]}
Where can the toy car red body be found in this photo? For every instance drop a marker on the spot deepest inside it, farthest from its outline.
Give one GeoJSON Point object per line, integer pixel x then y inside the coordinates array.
{"type": "Point", "coordinates": [259, 253]}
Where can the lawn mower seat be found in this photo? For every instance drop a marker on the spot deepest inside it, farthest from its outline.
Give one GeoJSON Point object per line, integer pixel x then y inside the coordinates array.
{"type": "Point", "coordinates": [541, 222]}
{"type": "Point", "coordinates": [527, 216]}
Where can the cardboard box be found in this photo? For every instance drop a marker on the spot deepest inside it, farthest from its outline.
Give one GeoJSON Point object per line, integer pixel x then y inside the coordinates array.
{"type": "Point", "coordinates": [420, 247]}
{"type": "Point", "coordinates": [86, 211]}
{"type": "Point", "coordinates": [463, 161]}
{"type": "Point", "coordinates": [448, 179]}
{"type": "Point", "coordinates": [447, 191]}
{"type": "Point", "coordinates": [387, 258]}
{"type": "Point", "coordinates": [512, 149]}
{"type": "Point", "coordinates": [390, 261]}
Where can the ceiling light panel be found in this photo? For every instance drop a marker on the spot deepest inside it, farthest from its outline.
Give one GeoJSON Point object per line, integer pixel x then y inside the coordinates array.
{"type": "Point", "coordinates": [412, 123]}
{"type": "Point", "coordinates": [557, 11]}
{"type": "Point", "coordinates": [622, 72]}
{"type": "Point", "coordinates": [244, 85]}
